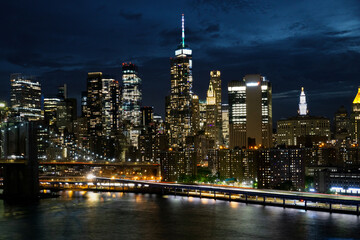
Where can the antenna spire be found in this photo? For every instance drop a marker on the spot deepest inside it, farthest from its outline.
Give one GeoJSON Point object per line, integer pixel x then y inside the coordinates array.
{"type": "Point", "coordinates": [183, 30]}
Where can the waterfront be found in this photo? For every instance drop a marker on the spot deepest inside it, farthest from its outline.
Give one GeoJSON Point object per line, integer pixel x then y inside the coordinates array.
{"type": "Point", "coordinates": [89, 215]}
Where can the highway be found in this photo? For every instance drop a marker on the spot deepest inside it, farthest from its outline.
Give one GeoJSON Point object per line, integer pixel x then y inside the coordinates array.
{"type": "Point", "coordinates": [303, 200]}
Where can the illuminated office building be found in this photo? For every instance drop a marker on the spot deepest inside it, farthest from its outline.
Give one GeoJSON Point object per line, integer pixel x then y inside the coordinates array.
{"type": "Point", "coordinates": [303, 129]}
{"type": "Point", "coordinates": [180, 102]}
{"type": "Point", "coordinates": [62, 92]}
{"type": "Point", "coordinates": [94, 105]}
{"type": "Point", "coordinates": [355, 118]}
{"type": "Point", "coordinates": [101, 110]}
{"type": "Point", "coordinates": [111, 97]}
{"type": "Point", "coordinates": [195, 118]}
{"type": "Point", "coordinates": [282, 168]}
{"type": "Point", "coordinates": [341, 124]}
{"type": "Point", "coordinates": [131, 102]}
{"type": "Point", "coordinates": [225, 123]}
{"type": "Point", "coordinates": [147, 115]}
{"type": "Point", "coordinates": [202, 114]}
{"type": "Point", "coordinates": [25, 98]}
{"type": "Point", "coordinates": [132, 95]}
{"type": "Point", "coordinates": [66, 114]}
{"type": "Point", "coordinates": [50, 109]}
{"type": "Point", "coordinates": [83, 103]}
{"type": "Point", "coordinates": [250, 112]}
{"type": "Point", "coordinates": [213, 110]}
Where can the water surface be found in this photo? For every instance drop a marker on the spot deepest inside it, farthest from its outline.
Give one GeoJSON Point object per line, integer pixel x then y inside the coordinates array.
{"type": "Point", "coordinates": [89, 215]}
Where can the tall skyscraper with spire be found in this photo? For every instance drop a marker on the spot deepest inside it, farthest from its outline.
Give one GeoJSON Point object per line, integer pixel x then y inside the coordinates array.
{"type": "Point", "coordinates": [180, 100]}
{"type": "Point", "coordinates": [303, 129]}
{"type": "Point", "coordinates": [302, 104]}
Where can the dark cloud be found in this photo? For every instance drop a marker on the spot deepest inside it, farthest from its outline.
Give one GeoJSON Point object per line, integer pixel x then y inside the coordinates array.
{"type": "Point", "coordinates": [26, 60]}
{"type": "Point", "coordinates": [130, 16]}
{"type": "Point", "coordinates": [226, 6]}
{"type": "Point", "coordinates": [297, 26]}
{"type": "Point", "coordinates": [294, 44]}
{"type": "Point", "coordinates": [213, 28]}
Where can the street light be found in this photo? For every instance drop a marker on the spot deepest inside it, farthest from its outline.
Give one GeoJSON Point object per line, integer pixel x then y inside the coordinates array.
{"type": "Point", "coordinates": [90, 176]}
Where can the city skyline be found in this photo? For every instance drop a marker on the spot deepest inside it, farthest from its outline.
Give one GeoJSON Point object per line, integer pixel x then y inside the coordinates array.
{"type": "Point", "coordinates": [272, 44]}
{"type": "Point", "coordinates": [116, 115]}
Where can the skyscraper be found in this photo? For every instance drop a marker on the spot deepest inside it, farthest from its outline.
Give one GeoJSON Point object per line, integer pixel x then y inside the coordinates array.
{"type": "Point", "coordinates": [225, 123]}
{"type": "Point", "coordinates": [303, 129]}
{"type": "Point", "coordinates": [110, 105]}
{"type": "Point", "coordinates": [213, 110]}
{"type": "Point", "coordinates": [302, 104]}
{"type": "Point", "coordinates": [62, 92]}
{"type": "Point", "coordinates": [50, 109]}
{"type": "Point", "coordinates": [25, 98]}
{"type": "Point", "coordinates": [131, 102]}
{"type": "Point", "coordinates": [195, 117]}
{"type": "Point", "coordinates": [180, 102]}
{"type": "Point", "coordinates": [147, 115]}
{"type": "Point", "coordinates": [341, 124]}
{"type": "Point", "coordinates": [250, 112]}
{"type": "Point", "coordinates": [132, 95]}
{"type": "Point", "coordinates": [66, 114]}
{"type": "Point", "coordinates": [102, 110]}
{"type": "Point", "coordinates": [355, 118]}
{"type": "Point", "coordinates": [94, 106]}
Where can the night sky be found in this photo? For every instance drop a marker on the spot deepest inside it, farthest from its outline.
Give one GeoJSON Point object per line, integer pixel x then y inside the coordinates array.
{"type": "Point", "coordinates": [315, 44]}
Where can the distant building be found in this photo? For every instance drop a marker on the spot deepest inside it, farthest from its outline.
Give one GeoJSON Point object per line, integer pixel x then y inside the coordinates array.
{"type": "Point", "coordinates": [339, 180]}
{"type": "Point", "coordinates": [25, 98]}
{"type": "Point", "coordinates": [355, 118]}
{"type": "Point", "coordinates": [83, 103]}
{"type": "Point", "coordinates": [177, 164]}
{"type": "Point", "coordinates": [302, 104]}
{"type": "Point", "coordinates": [131, 103]}
{"type": "Point", "coordinates": [101, 107]}
{"type": "Point", "coordinates": [50, 109]}
{"type": "Point", "coordinates": [180, 100]}
{"type": "Point", "coordinates": [225, 123]}
{"type": "Point", "coordinates": [303, 129]}
{"type": "Point", "coordinates": [250, 112]}
{"type": "Point", "coordinates": [66, 114]}
{"type": "Point", "coordinates": [62, 92]}
{"type": "Point", "coordinates": [202, 114]}
{"type": "Point", "coordinates": [111, 101]}
{"type": "Point", "coordinates": [4, 112]}
{"type": "Point", "coordinates": [195, 114]}
{"type": "Point", "coordinates": [282, 168]}
{"type": "Point", "coordinates": [341, 124]}
{"type": "Point", "coordinates": [94, 106]}
{"type": "Point", "coordinates": [147, 115]}
{"type": "Point", "coordinates": [213, 110]}
{"type": "Point", "coordinates": [132, 94]}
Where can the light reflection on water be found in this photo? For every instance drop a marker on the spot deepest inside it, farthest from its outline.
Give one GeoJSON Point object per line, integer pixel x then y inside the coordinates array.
{"type": "Point", "coordinates": [108, 215]}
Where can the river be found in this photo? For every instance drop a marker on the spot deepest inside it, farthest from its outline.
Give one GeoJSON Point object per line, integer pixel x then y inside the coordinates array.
{"type": "Point", "coordinates": [89, 215]}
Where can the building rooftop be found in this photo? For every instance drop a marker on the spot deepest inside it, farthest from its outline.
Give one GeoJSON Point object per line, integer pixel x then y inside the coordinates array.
{"type": "Point", "coordinates": [304, 117]}
{"type": "Point", "coordinates": [357, 98]}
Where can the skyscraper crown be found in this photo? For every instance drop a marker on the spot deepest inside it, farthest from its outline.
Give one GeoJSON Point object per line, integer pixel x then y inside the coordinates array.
{"type": "Point", "coordinates": [182, 48]}
{"type": "Point", "coordinates": [302, 104]}
{"type": "Point", "coordinates": [357, 98]}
